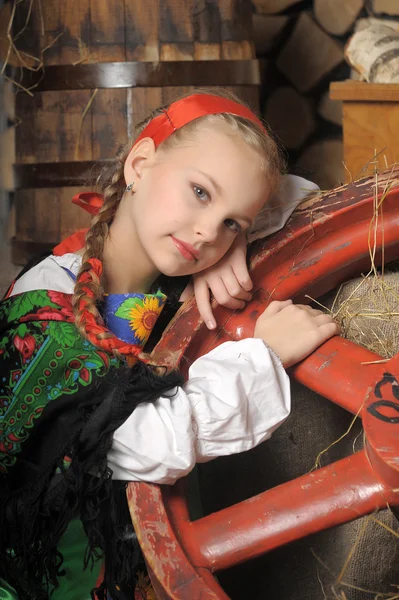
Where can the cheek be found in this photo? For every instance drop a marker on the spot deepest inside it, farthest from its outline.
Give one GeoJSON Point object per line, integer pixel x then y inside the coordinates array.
{"type": "Point", "coordinates": [172, 206]}
{"type": "Point", "coordinates": [214, 254]}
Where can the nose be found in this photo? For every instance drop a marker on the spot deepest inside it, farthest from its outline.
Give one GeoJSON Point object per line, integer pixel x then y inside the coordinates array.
{"type": "Point", "coordinates": [208, 231]}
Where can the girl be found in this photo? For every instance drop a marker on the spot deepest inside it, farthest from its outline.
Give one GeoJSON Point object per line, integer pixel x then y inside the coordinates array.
{"type": "Point", "coordinates": [83, 409]}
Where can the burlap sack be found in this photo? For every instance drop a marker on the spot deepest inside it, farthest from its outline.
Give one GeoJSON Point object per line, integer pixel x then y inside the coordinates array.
{"type": "Point", "coordinates": [308, 569]}
{"type": "Point", "coordinates": [368, 310]}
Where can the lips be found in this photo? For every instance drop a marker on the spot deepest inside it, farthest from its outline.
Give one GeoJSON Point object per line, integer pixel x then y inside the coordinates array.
{"type": "Point", "coordinates": [186, 250]}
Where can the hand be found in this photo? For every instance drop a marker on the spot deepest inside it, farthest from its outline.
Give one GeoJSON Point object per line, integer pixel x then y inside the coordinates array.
{"type": "Point", "coordinates": [228, 280]}
{"type": "Point", "coordinates": [293, 331]}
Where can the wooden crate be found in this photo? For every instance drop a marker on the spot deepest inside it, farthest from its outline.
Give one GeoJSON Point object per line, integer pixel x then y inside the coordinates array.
{"type": "Point", "coordinates": [370, 125]}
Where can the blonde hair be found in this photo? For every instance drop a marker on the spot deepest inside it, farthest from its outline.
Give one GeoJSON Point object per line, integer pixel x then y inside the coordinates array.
{"type": "Point", "coordinates": [112, 185]}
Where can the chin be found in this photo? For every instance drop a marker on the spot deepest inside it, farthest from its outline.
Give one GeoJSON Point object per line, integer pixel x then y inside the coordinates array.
{"type": "Point", "coordinates": [176, 271]}
{"type": "Point", "coordinates": [172, 267]}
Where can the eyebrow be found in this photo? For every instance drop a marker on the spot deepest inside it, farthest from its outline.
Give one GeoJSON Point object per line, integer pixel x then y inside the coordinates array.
{"type": "Point", "coordinates": [213, 182]}
{"type": "Point", "coordinates": [220, 192]}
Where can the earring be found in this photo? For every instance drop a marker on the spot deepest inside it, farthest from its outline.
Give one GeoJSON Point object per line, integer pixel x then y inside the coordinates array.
{"type": "Point", "coordinates": [129, 187]}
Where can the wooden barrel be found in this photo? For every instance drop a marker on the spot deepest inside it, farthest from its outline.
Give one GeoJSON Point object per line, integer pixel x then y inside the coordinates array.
{"type": "Point", "coordinates": [106, 65]}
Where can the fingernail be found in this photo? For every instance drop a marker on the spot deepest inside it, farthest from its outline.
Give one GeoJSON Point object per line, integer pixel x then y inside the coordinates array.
{"type": "Point", "coordinates": [211, 325]}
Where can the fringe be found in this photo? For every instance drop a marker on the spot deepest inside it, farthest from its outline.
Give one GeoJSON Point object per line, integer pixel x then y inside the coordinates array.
{"type": "Point", "coordinates": [33, 517]}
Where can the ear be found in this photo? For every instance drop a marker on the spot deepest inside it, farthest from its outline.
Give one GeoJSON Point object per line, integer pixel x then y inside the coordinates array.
{"type": "Point", "coordinates": [139, 158]}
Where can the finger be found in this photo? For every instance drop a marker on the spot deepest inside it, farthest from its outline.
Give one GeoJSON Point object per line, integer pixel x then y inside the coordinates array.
{"type": "Point", "coordinates": [323, 318]}
{"type": "Point", "coordinates": [241, 273]}
{"type": "Point", "coordinates": [276, 306]}
{"type": "Point", "coordinates": [202, 296]}
{"type": "Point", "coordinates": [309, 309]}
{"type": "Point", "coordinates": [233, 286]}
{"type": "Point", "coordinates": [327, 330]}
{"type": "Point", "coordinates": [223, 297]}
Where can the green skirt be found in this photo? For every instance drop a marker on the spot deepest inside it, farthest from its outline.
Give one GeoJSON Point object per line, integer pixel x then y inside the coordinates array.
{"type": "Point", "coordinates": [76, 583]}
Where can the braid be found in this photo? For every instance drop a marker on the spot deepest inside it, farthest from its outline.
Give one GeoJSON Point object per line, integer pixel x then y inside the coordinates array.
{"type": "Point", "coordinates": [88, 289]}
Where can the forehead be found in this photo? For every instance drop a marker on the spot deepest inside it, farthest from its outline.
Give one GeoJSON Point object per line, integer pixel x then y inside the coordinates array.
{"type": "Point", "coordinates": [225, 157]}
{"type": "Point", "coordinates": [207, 141]}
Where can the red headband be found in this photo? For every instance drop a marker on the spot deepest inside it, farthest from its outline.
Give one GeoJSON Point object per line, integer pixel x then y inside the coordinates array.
{"type": "Point", "coordinates": [178, 114]}
{"type": "Point", "coordinates": [190, 108]}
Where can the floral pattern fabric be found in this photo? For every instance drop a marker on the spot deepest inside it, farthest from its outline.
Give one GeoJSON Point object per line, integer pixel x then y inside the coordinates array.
{"type": "Point", "coordinates": [131, 317]}
{"type": "Point", "coordinates": [50, 359]}
{"type": "Point", "coordinates": [44, 358]}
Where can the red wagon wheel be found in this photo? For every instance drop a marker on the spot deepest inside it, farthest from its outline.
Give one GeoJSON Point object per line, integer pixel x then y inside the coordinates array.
{"type": "Point", "coordinates": [326, 242]}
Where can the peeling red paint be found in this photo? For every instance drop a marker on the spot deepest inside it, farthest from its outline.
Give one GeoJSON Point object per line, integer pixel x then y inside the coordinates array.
{"type": "Point", "coordinates": [324, 243]}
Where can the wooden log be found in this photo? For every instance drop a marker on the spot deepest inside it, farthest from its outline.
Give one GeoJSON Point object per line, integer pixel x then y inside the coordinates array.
{"type": "Point", "coordinates": [387, 7]}
{"type": "Point", "coordinates": [322, 162]}
{"type": "Point", "coordinates": [266, 31]}
{"type": "Point", "coordinates": [309, 54]}
{"type": "Point", "coordinates": [290, 117]}
{"type": "Point", "coordinates": [374, 54]}
{"type": "Point", "coordinates": [337, 16]}
{"type": "Point", "coordinates": [272, 7]}
{"type": "Point", "coordinates": [330, 110]}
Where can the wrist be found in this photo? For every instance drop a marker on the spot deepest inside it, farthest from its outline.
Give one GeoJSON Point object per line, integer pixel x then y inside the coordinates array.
{"type": "Point", "coordinates": [274, 353]}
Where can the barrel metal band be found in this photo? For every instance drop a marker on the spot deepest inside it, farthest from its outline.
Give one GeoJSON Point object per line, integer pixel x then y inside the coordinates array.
{"type": "Point", "coordinates": [61, 174]}
{"type": "Point", "coordinates": [144, 74]}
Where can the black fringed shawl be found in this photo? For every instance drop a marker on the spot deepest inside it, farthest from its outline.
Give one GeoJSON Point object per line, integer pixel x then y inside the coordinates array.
{"type": "Point", "coordinates": [61, 399]}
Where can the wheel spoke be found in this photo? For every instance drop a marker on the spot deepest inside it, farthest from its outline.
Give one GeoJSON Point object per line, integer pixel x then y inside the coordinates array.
{"type": "Point", "coordinates": [336, 371]}
{"type": "Point", "coordinates": [324, 498]}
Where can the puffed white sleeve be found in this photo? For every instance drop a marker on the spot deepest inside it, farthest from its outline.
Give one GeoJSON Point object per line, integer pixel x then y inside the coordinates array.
{"type": "Point", "coordinates": [235, 397]}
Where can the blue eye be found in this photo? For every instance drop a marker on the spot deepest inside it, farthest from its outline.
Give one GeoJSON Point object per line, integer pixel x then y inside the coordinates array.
{"type": "Point", "coordinates": [233, 225]}
{"type": "Point", "coordinates": [200, 193]}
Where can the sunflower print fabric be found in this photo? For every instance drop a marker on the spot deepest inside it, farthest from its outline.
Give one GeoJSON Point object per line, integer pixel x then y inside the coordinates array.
{"type": "Point", "coordinates": [131, 317]}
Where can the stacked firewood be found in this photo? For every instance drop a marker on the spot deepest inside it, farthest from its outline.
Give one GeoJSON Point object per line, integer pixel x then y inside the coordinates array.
{"type": "Point", "coordinates": [302, 46]}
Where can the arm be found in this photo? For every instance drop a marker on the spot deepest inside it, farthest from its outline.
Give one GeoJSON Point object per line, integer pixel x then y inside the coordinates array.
{"type": "Point", "coordinates": [228, 280]}
{"type": "Point", "coordinates": [236, 396]}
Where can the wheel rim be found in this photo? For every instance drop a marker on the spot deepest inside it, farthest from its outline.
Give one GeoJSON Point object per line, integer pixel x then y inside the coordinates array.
{"type": "Point", "coordinates": [330, 237]}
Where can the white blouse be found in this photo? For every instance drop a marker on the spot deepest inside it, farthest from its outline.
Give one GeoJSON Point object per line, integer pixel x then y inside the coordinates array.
{"type": "Point", "coordinates": [235, 397]}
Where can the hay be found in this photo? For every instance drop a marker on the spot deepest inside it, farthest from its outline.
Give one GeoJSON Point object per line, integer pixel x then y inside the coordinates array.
{"type": "Point", "coordinates": [24, 60]}
{"type": "Point", "coordinates": [318, 464]}
{"type": "Point", "coordinates": [340, 587]}
{"type": "Point", "coordinates": [367, 307]}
